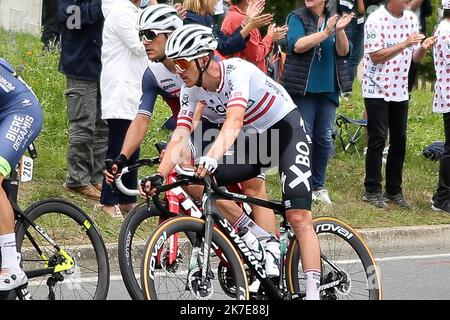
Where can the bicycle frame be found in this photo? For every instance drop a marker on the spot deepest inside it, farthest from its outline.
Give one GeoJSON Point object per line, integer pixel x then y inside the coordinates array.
{"type": "Point", "coordinates": [11, 186]}
{"type": "Point", "coordinates": [336, 277]}
{"type": "Point", "coordinates": [178, 200]}
{"type": "Point", "coordinates": [213, 217]}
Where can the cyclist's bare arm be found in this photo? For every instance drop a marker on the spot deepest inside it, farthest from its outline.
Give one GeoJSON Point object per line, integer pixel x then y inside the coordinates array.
{"type": "Point", "coordinates": [175, 149]}
{"type": "Point", "coordinates": [198, 115]}
{"type": "Point", "coordinates": [135, 135]}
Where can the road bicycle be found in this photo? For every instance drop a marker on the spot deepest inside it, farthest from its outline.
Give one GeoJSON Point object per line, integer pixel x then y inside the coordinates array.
{"type": "Point", "coordinates": [61, 250]}
{"type": "Point", "coordinates": [213, 262]}
{"type": "Point", "coordinates": [144, 218]}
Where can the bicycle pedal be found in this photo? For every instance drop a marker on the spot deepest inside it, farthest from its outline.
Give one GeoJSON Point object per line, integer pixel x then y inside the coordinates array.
{"type": "Point", "coordinates": [23, 293]}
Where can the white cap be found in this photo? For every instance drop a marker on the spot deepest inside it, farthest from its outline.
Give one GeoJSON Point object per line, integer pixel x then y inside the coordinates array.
{"type": "Point", "coordinates": [445, 4]}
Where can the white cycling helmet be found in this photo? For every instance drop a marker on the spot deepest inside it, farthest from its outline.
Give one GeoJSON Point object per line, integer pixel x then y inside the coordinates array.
{"type": "Point", "coordinates": [159, 17]}
{"type": "Point", "coordinates": [190, 42]}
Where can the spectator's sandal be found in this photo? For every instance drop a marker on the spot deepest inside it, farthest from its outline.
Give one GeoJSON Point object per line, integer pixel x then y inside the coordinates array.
{"type": "Point", "coordinates": [113, 211]}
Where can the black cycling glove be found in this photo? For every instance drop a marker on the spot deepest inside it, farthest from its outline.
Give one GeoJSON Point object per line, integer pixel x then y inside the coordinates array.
{"type": "Point", "coordinates": [121, 162]}
{"type": "Point", "coordinates": [155, 180]}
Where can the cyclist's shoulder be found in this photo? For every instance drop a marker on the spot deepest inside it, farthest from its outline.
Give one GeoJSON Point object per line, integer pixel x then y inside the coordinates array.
{"type": "Point", "coordinates": [239, 69]}
{"type": "Point", "coordinates": [6, 66]}
{"type": "Point", "coordinates": [158, 74]}
{"type": "Point", "coordinates": [236, 61]}
{"type": "Point", "coordinates": [191, 91]}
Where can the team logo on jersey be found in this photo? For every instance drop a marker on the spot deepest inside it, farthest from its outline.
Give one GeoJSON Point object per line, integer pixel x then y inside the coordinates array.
{"type": "Point", "coordinates": [230, 85]}
{"type": "Point", "coordinates": [26, 103]}
{"type": "Point", "coordinates": [236, 95]}
{"type": "Point", "coordinates": [230, 68]}
{"type": "Point", "coordinates": [219, 109]}
{"type": "Point", "coordinates": [19, 130]}
{"type": "Point", "coordinates": [172, 85]}
{"type": "Point", "coordinates": [185, 100]}
{"type": "Point", "coordinates": [6, 85]}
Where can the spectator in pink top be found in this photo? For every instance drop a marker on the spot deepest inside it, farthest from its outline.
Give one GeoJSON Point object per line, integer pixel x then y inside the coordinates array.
{"type": "Point", "coordinates": [258, 47]}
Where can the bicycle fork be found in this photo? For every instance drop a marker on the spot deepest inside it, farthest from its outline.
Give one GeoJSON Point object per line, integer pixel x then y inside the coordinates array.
{"type": "Point", "coordinates": [199, 275]}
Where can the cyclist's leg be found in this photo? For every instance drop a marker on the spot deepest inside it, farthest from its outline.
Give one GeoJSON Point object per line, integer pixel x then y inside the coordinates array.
{"type": "Point", "coordinates": [230, 172]}
{"type": "Point", "coordinates": [18, 128]}
{"type": "Point", "coordinates": [295, 173]}
{"type": "Point", "coordinates": [201, 140]}
{"type": "Point", "coordinates": [264, 217]}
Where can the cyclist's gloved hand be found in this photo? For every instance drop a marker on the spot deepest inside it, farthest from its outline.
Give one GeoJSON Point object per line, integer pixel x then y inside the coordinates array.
{"type": "Point", "coordinates": [206, 165]}
{"type": "Point", "coordinates": [149, 183]}
{"type": "Point", "coordinates": [121, 162]}
{"type": "Point", "coordinates": [113, 167]}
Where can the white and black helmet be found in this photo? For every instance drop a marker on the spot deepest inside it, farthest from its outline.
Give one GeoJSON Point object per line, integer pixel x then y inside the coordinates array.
{"type": "Point", "coordinates": [160, 17]}
{"type": "Point", "coordinates": [190, 42]}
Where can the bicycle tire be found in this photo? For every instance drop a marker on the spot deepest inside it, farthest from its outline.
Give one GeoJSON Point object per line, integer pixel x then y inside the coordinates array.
{"type": "Point", "coordinates": [130, 251]}
{"type": "Point", "coordinates": [58, 218]}
{"type": "Point", "coordinates": [189, 225]}
{"type": "Point", "coordinates": [356, 255]}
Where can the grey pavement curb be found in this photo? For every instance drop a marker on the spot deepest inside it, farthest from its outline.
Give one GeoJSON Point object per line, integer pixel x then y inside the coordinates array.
{"type": "Point", "coordinates": [407, 238]}
{"type": "Point", "coordinates": [379, 240]}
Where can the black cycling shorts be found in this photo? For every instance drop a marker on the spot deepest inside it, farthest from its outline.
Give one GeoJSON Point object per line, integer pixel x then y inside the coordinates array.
{"type": "Point", "coordinates": [285, 145]}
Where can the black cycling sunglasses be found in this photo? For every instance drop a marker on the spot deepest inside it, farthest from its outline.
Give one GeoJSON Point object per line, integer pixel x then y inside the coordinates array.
{"type": "Point", "coordinates": [147, 35]}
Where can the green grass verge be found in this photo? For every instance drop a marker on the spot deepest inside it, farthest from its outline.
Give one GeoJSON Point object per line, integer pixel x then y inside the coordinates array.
{"type": "Point", "coordinates": [345, 174]}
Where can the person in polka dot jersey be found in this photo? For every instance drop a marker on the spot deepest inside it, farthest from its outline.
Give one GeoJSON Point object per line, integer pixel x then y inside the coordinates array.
{"type": "Point", "coordinates": [441, 104]}
{"type": "Point", "coordinates": [391, 41]}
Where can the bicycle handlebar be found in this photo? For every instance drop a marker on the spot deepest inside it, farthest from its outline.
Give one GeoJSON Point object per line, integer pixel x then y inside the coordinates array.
{"type": "Point", "coordinates": [122, 188]}
{"type": "Point", "coordinates": [140, 163]}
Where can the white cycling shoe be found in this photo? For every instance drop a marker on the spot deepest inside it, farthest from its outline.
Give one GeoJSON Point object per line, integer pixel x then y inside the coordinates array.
{"type": "Point", "coordinates": [10, 281]}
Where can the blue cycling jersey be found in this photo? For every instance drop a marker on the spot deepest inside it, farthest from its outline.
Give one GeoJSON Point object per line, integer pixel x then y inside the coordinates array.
{"type": "Point", "coordinates": [157, 80]}
{"type": "Point", "coordinates": [11, 87]}
{"type": "Point", "coordinates": [20, 117]}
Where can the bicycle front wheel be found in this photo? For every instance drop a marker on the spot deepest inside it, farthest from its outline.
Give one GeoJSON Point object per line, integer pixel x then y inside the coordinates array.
{"type": "Point", "coordinates": [75, 234]}
{"type": "Point", "coordinates": [180, 279]}
{"type": "Point", "coordinates": [137, 227]}
{"type": "Point", "coordinates": [349, 271]}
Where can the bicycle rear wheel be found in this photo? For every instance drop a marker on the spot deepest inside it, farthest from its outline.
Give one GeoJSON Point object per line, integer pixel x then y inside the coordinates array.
{"type": "Point", "coordinates": [179, 280]}
{"type": "Point", "coordinates": [348, 267]}
{"type": "Point", "coordinates": [75, 233]}
{"type": "Point", "coordinates": [137, 227]}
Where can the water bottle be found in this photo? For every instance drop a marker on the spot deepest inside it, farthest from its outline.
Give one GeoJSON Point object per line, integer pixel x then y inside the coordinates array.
{"type": "Point", "coordinates": [273, 254]}
{"type": "Point", "coordinates": [284, 235]}
{"type": "Point", "coordinates": [253, 244]}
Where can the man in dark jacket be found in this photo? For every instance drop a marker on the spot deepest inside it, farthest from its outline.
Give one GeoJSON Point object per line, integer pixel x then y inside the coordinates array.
{"type": "Point", "coordinates": [50, 24]}
{"type": "Point", "coordinates": [81, 41]}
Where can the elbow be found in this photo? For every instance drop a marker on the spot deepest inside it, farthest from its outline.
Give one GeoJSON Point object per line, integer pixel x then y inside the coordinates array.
{"type": "Point", "coordinates": [343, 52]}
{"type": "Point", "coordinates": [299, 50]}
{"type": "Point", "coordinates": [238, 122]}
{"type": "Point", "coordinates": [235, 122]}
{"type": "Point", "coordinates": [375, 59]}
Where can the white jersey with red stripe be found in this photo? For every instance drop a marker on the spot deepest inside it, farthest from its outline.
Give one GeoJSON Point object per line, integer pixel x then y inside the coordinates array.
{"type": "Point", "coordinates": [169, 82]}
{"type": "Point", "coordinates": [242, 85]}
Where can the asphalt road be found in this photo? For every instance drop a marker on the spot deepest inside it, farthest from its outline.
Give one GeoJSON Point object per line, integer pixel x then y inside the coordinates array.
{"type": "Point", "coordinates": [412, 275]}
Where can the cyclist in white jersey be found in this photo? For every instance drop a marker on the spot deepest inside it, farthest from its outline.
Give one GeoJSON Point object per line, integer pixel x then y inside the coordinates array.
{"type": "Point", "coordinates": [155, 23]}
{"type": "Point", "coordinates": [240, 97]}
